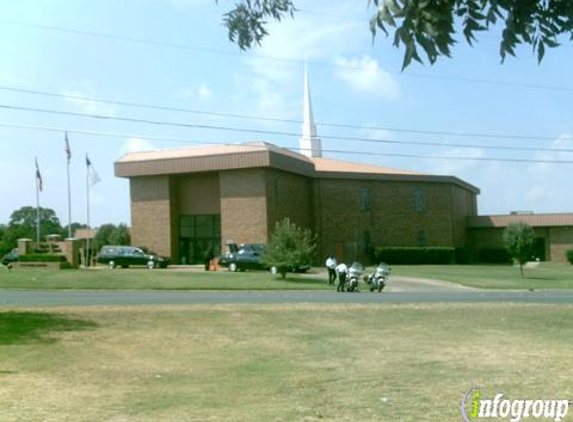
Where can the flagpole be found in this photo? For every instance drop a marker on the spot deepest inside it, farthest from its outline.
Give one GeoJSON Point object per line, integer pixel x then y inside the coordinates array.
{"type": "Point", "coordinates": [37, 207]}
{"type": "Point", "coordinates": [69, 204]}
{"type": "Point", "coordinates": [88, 209]}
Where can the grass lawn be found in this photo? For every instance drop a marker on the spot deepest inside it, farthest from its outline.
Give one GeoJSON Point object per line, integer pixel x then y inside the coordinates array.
{"type": "Point", "coordinates": [277, 363]}
{"type": "Point", "coordinates": [544, 276]}
{"type": "Point", "coordinates": [143, 279]}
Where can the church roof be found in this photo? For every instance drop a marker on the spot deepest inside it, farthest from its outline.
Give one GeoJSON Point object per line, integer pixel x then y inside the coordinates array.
{"type": "Point", "coordinates": [261, 155]}
{"type": "Point", "coordinates": [330, 165]}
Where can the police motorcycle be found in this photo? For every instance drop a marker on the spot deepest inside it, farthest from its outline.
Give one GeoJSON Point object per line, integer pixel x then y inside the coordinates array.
{"type": "Point", "coordinates": [355, 272]}
{"type": "Point", "coordinates": [379, 278]}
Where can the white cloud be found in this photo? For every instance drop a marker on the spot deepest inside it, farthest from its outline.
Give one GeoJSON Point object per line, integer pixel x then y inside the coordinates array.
{"type": "Point", "coordinates": [78, 98]}
{"type": "Point", "coordinates": [506, 187]}
{"type": "Point", "coordinates": [276, 88]}
{"type": "Point", "coordinates": [300, 40]}
{"type": "Point", "coordinates": [204, 93]}
{"type": "Point", "coordinates": [201, 93]}
{"type": "Point", "coordinates": [456, 161]}
{"type": "Point", "coordinates": [136, 145]}
{"type": "Point", "coordinates": [365, 76]}
{"type": "Point", "coordinates": [369, 131]}
{"type": "Point", "coordinates": [548, 183]}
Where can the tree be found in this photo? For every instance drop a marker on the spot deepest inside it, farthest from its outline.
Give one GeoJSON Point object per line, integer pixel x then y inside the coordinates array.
{"type": "Point", "coordinates": [519, 240]}
{"type": "Point", "coordinates": [109, 234]}
{"type": "Point", "coordinates": [430, 25]}
{"type": "Point", "coordinates": [290, 246]}
{"type": "Point", "coordinates": [246, 22]}
{"type": "Point", "coordinates": [4, 247]}
{"type": "Point", "coordinates": [23, 224]}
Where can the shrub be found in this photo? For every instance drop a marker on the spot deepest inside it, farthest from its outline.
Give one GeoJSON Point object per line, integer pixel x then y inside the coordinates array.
{"type": "Point", "coordinates": [569, 255]}
{"type": "Point", "coordinates": [463, 255]}
{"type": "Point", "coordinates": [42, 258]}
{"type": "Point", "coordinates": [519, 240]}
{"type": "Point", "coordinates": [290, 246]}
{"type": "Point", "coordinates": [66, 266]}
{"type": "Point", "coordinates": [415, 255]}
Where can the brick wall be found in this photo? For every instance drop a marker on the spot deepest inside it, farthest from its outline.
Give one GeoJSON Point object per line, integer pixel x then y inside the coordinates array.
{"type": "Point", "coordinates": [289, 195]}
{"type": "Point", "coordinates": [399, 214]}
{"type": "Point", "coordinates": [198, 194]}
{"type": "Point", "coordinates": [464, 204]}
{"type": "Point", "coordinates": [557, 240]}
{"type": "Point", "coordinates": [151, 214]}
{"type": "Point", "coordinates": [561, 241]}
{"type": "Point", "coordinates": [243, 206]}
{"type": "Point", "coordinates": [251, 201]}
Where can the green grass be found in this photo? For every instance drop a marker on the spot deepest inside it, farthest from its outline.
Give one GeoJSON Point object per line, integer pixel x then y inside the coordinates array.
{"type": "Point", "coordinates": [544, 276]}
{"type": "Point", "coordinates": [284, 362]}
{"type": "Point", "coordinates": [36, 327]}
{"type": "Point", "coordinates": [143, 279]}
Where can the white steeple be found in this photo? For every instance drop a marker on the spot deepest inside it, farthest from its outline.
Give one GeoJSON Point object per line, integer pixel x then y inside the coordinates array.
{"type": "Point", "coordinates": [309, 144]}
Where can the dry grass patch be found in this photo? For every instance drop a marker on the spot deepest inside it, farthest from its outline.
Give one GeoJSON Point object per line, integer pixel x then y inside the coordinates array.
{"type": "Point", "coordinates": [285, 362]}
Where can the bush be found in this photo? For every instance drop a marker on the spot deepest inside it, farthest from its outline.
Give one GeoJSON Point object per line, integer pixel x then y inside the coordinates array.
{"type": "Point", "coordinates": [290, 247]}
{"type": "Point", "coordinates": [42, 258]}
{"type": "Point", "coordinates": [463, 255]}
{"type": "Point", "coordinates": [493, 256]}
{"type": "Point", "coordinates": [569, 255]}
{"type": "Point", "coordinates": [416, 255]}
{"type": "Point", "coordinates": [66, 266]}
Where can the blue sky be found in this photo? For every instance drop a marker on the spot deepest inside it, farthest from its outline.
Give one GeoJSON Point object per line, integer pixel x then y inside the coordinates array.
{"type": "Point", "coordinates": [353, 81]}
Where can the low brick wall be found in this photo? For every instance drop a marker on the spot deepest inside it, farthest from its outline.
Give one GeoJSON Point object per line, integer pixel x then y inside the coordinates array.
{"type": "Point", "coordinates": [37, 265]}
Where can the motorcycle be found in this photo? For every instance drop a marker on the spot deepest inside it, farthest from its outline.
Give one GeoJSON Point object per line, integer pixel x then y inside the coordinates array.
{"type": "Point", "coordinates": [378, 279]}
{"type": "Point", "coordinates": [355, 272]}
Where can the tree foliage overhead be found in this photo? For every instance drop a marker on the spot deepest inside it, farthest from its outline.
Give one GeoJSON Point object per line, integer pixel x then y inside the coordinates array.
{"type": "Point", "coordinates": [290, 246]}
{"type": "Point", "coordinates": [430, 25]}
{"type": "Point", "coordinates": [519, 240]}
{"type": "Point", "coordinates": [246, 22]}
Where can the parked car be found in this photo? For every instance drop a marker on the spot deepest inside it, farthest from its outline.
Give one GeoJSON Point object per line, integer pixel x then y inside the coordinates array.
{"type": "Point", "coordinates": [10, 257]}
{"type": "Point", "coordinates": [124, 256]}
{"type": "Point", "coordinates": [249, 257]}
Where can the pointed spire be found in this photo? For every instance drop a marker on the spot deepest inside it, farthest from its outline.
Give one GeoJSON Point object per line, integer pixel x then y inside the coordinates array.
{"type": "Point", "coordinates": [309, 144]}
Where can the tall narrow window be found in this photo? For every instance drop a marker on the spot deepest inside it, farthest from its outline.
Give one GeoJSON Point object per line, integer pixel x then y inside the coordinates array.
{"type": "Point", "coordinates": [365, 199]}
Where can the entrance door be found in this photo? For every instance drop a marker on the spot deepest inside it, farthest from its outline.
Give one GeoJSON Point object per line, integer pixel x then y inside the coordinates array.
{"type": "Point", "coordinates": [198, 234]}
{"type": "Point", "coordinates": [539, 249]}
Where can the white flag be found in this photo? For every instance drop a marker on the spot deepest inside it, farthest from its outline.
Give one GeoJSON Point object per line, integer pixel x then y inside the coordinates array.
{"type": "Point", "coordinates": [93, 177]}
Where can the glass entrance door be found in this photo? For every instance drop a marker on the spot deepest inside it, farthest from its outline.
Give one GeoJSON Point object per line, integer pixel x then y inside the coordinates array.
{"type": "Point", "coordinates": [198, 234]}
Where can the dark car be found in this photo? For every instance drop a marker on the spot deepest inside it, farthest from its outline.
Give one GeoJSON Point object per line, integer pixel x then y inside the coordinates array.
{"type": "Point", "coordinates": [243, 257]}
{"type": "Point", "coordinates": [124, 256]}
{"type": "Point", "coordinates": [10, 257]}
{"type": "Point", "coordinates": [249, 257]}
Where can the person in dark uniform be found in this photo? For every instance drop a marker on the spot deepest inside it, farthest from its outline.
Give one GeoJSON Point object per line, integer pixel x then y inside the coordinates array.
{"type": "Point", "coordinates": [209, 255]}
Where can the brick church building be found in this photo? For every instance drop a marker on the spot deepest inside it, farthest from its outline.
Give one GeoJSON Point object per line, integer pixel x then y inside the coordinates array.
{"type": "Point", "coordinates": [184, 200]}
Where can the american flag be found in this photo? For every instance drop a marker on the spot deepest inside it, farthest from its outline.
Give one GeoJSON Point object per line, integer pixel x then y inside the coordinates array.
{"type": "Point", "coordinates": [67, 148]}
{"type": "Point", "coordinates": [39, 177]}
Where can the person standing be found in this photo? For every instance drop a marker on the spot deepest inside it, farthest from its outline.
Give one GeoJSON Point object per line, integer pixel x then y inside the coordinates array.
{"type": "Point", "coordinates": [331, 267]}
{"type": "Point", "coordinates": [341, 269]}
{"type": "Point", "coordinates": [209, 255]}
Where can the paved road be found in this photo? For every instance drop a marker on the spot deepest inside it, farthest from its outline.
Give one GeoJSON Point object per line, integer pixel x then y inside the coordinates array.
{"type": "Point", "coordinates": [83, 298]}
